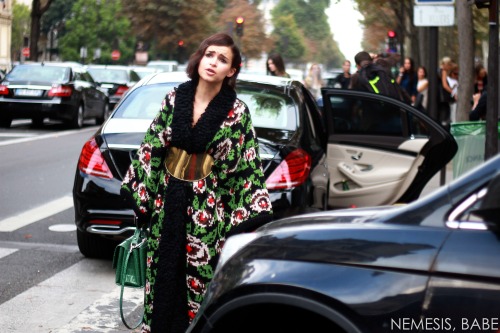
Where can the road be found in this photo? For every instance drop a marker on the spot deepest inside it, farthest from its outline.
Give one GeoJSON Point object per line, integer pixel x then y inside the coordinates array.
{"type": "Point", "coordinates": [46, 284]}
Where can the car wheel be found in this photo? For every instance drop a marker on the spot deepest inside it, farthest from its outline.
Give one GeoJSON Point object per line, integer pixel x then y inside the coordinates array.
{"type": "Point", "coordinates": [105, 114]}
{"type": "Point", "coordinates": [77, 121]}
{"type": "Point", "coordinates": [5, 122]}
{"type": "Point", "coordinates": [95, 246]}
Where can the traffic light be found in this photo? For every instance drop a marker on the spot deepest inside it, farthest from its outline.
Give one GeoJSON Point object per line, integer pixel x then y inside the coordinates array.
{"type": "Point", "coordinates": [240, 20]}
{"type": "Point", "coordinates": [392, 41]}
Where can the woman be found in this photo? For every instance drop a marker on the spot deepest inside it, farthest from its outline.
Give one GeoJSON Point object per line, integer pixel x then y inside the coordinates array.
{"type": "Point", "coordinates": [196, 180]}
{"type": "Point", "coordinates": [276, 66]}
{"type": "Point", "coordinates": [408, 79]}
{"type": "Point", "coordinates": [314, 81]}
{"type": "Point", "coordinates": [422, 89]}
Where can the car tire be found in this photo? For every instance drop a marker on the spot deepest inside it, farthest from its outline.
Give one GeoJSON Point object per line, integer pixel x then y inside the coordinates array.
{"type": "Point", "coordinates": [77, 121]}
{"type": "Point", "coordinates": [5, 122]}
{"type": "Point", "coordinates": [95, 246]}
{"type": "Point", "coordinates": [105, 114]}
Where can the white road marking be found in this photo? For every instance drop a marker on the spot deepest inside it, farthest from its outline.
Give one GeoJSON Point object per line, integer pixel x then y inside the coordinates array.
{"type": "Point", "coordinates": [62, 227]}
{"type": "Point", "coordinates": [83, 297]}
{"type": "Point", "coordinates": [51, 208]}
{"type": "Point", "coordinates": [46, 136]}
{"type": "Point", "coordinates": [5, 252]}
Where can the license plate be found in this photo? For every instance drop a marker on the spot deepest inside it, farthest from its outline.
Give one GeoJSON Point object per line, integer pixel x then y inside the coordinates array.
{"type": "Point", "coordinates": [29, 92]}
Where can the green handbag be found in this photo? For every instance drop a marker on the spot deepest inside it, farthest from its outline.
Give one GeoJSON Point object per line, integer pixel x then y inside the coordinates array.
{"type": "Point", "coordinates": [129, 261]}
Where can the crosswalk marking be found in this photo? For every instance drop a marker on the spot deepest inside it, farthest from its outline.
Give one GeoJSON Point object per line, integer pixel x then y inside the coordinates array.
{"type": "Point", "coordinates": [51, 208]}
{"type": "Point", "coordinates": [5, 252]}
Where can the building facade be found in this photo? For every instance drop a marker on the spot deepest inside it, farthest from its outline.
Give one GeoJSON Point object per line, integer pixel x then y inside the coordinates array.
{"type": "Point", "coordinates": [5, 34]}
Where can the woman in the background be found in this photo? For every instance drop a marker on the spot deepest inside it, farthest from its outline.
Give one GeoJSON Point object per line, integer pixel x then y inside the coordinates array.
{"type": "Point", "coordinates": [276, 66]}
{"type": "Point", "coordinates": [422, 89]}
{"type": "Point", "coordinates": [314, 81]}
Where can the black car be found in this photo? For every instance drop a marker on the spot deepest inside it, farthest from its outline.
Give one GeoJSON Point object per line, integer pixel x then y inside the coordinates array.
{"type": "Point", "coordinates": [115, 80]}
{"type": "Point", "coordinates": [431, 265]}
{"type": "Point", "coordinates": [293, 146]}
{"type": "Point", "coordinates": [58, 91]}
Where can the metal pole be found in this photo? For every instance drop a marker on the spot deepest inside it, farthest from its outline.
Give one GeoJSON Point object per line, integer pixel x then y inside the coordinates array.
{"type": "Point", "coordinates": [433, 73]}
{"type": "Point", "coordinates": [491, 140]}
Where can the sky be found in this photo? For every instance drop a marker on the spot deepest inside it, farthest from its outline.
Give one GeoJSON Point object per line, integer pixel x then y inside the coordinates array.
{"type": "Point", "coordinates": [344, 23]}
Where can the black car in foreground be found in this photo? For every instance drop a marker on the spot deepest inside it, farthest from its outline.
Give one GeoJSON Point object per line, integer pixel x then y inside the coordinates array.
{"type": "Point", "coordinates": [431, 265]}
{"type": "Point", "coordinates": [312, 160]}
{"type": "Point", "coordinates": [58, 91]}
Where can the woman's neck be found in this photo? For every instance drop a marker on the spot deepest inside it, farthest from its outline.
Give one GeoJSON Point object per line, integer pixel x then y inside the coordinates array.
{"type": "Point", "coordinates": [207, 91]}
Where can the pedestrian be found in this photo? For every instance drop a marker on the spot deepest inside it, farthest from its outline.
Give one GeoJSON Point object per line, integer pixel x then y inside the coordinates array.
{"type": "Point", "coordinates": [343, 79]}
{"type": "Point", "coordinates": [197, 179]}
{"type": "Point", "coordinates": [407, 78]}
{"type": "Point", "coordinates": [480, 78]}
{"type": "Point", "coordinates": [314, 81]}
{"type": "Point", "coordinates": [478, 111]}
{"type": "Point", "coordinates": [452, 80]}
{"type": "Point", "coordinates": [422, 89]}
{"type": "Point", "coordinates": [276, 66]}
{"type": "Point", "coordinates": [361, 59]}
{"type": "Point", "coordinates": [444, 92]}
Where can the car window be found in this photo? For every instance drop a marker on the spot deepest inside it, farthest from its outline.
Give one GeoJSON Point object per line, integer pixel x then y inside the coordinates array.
{"type": "Point", "coordinates": [41, 73]}
{"type": "Point", "coordinates": [353, 115]}
{"type": "Point", "coordinates": [109, 75]}
{"type": "Point", "coordinates": [144, 102]}
{"type": "Point", "coordinates": [269, 109]}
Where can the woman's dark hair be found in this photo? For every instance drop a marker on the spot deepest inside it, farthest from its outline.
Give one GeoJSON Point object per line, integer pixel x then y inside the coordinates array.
{"type": "Point", "coordinates": [278, 62]}
{"type": "Point", "coordinates": [218, 39]}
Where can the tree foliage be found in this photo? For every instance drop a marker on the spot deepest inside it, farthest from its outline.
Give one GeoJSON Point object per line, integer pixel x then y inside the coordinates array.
{"type": "Point", "coordinates": [302, 33]}
{"type": "Point", "coordinates": [97, 26]}
{"type": "Point", "coordinates": [254, 39]}
{"type": "Point", "coordinates": [20, 28]}
{"type": "Point", "coordinates": [161, 24]}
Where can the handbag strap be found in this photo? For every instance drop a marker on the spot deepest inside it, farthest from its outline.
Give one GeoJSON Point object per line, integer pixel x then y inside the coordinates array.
{"type": "Point", "coordinates": [133, 245]}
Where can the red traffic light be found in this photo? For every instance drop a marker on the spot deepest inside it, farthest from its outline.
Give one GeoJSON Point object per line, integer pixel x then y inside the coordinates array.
{"type": "Point", "coordinates": [391, 34]}
{"type": "Point", "coordinates": [180, 43]}
{"type": "Point", "coordinates": [240, 19]}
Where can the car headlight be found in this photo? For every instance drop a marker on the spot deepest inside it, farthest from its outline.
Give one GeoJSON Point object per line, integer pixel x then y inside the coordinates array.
{"type": "Point", "coordinates": [232, 245]}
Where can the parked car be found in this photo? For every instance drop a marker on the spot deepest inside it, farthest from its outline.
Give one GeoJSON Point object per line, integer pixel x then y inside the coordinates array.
{"type": "Point", "coordinates": [59, 91]}
{"type": "Point", "coordinates": [430, 265]}
{"type": "Point", "coordinates": [293, 146]}
{"type": "Point", "coordinates": [144, 71]}
{"type": "Point", "coordinates": [115, 80]}
{"type": "Point", "coordinates": [164, 65]}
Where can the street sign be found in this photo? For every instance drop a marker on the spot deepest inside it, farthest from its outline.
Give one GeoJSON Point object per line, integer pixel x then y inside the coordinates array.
{"type": "Point", "coordinates": [434, 2]}
{"type": "Point", "coordinates": [26, 52]}
{"type": "Point", "coordinates": [433, 16]}
{"type": "Point", "coordinates": [115, 55]}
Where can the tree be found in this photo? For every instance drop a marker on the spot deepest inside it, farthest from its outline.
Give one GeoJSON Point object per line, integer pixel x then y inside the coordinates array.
{"type": "Point", "coordinates": [254, 38]}
{"type": "Point", "coordinates": [466, 60]}
{"type": "Point", "coordinates": [162, 23]}
{"type": "Point", "coordinates": [20, 28]}
{"type": "Point", "coordinates": [288, 39]}
{"type": "Point", "coordinates": [38, 8]}
{"type": "Point", "coordinates": [98, 25]}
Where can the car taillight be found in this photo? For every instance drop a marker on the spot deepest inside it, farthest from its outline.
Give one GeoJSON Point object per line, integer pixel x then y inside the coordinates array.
{"type": "Point", "coordinates": [91, 161]}
{"type": "Point", "coordinates": [60, 91]}
{"type": "Point", "coordinates": [121, 90]}
{"type": "Point", "coordinates": [4, 90]}
{"type": "Point", "coordinates": [291, 172]}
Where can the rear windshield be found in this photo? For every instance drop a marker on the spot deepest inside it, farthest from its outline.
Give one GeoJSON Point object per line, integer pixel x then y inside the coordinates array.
{"type": "Point", "coordinates": [39, 73]}
{"type": "Point", "coordinates": [268, 109]}
{"type": "Point", "coordinates": [109, 75]}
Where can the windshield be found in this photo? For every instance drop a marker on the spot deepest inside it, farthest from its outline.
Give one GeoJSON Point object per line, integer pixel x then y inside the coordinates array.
{"type": "Point", "coordinates": [268, 109]}
{"type": "Point", "coordinates": [109, 75]}
{"type": "Point", "coordinates": [39, 73]}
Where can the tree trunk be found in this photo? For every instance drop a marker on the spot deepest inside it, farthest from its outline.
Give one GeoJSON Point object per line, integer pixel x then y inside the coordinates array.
{"type": "Point", "coordinates": [465, 60]}
{"type": "Point", "coordinates": [38, 7]}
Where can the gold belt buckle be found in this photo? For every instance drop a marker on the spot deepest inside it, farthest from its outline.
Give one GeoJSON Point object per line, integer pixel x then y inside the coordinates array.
{"type": "Point", "coordinates": [189, 167]}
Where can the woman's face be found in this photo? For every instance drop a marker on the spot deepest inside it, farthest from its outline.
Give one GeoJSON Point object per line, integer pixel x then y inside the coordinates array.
{"type": "Point", "coordinates": [215, 65]}
{"type": "Point", "coordinates": [421, 73]}
{"type": "Point", "coordinates": [271, 65]}
{"type": "Point", "coordinates": [407, 64]}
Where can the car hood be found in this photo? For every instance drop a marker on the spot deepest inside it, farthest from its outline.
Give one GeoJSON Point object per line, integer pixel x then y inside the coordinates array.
{"type": "Point", "coordinates": [351, 215]}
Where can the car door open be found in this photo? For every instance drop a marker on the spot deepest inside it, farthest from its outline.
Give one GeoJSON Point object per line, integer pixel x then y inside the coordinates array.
{"type": "Point", "coordinates": [379, 151]}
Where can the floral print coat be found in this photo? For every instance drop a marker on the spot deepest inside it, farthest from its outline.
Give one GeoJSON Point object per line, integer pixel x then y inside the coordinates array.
{"type": "Point", "coordinates": [189, 221]}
